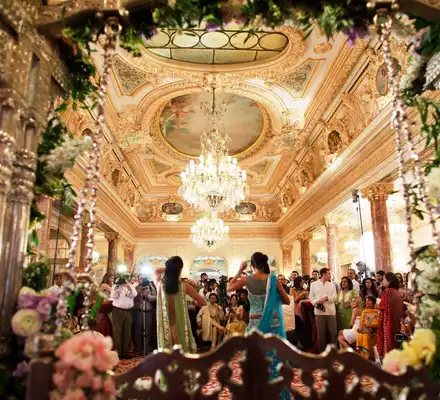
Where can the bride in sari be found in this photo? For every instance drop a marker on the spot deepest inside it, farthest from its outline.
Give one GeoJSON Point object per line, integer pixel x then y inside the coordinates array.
{"type": "Point", "coordinates": [266, 296]}
{"type": "Point", "coordinates": [173, 323]}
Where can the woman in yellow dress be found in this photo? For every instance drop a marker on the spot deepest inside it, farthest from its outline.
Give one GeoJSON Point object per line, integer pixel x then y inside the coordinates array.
{"type": "Point", "coordinates": [369, 322]}
{"type": "Point", "coordinates": [235, 325]}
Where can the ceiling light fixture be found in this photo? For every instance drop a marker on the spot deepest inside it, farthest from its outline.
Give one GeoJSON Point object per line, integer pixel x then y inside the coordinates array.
{"type": "Point", "coordinates": [216, 183]}
{"type": "Point", "coordinates": [209, 232]}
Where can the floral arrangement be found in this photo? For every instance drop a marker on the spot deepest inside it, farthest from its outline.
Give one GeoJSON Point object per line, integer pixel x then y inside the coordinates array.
{"type": "Point", "coordinates": [81, 371]}
{"type": "Point", "coordinates": [36, 313]}
{"type": "Point", "coordinates": [420, 351]}
{"type": "Point", "coordinates": [35, 276]}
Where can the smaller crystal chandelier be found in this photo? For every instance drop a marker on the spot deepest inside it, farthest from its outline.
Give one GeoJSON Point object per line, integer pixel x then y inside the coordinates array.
{"type": "Point", "coordinates": [351, 246]}
{"type": "Point", "coordinates": [209, 232]}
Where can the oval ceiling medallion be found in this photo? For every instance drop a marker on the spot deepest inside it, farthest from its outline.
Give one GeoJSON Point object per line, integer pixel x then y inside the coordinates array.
{"type": "Point", "coordinates": [182, 122]}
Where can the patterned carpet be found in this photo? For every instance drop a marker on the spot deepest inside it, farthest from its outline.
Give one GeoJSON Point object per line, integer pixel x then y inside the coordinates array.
{"type": "Point", "coordinates": [366, 383]}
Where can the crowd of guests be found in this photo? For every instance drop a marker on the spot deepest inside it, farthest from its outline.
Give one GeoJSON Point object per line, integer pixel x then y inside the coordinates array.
{"type": "Point", "coordinates": [370, 315]}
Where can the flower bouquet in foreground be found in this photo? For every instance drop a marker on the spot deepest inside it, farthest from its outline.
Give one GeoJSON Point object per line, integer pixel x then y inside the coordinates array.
{"type": "Point", "coordinates": [83, 369]}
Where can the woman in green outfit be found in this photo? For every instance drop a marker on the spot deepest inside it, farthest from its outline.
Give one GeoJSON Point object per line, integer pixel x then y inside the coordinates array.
{"type": "Point", "coordinates": [345, 295]}
{"type": "Point", "coordinates": [173, 323]}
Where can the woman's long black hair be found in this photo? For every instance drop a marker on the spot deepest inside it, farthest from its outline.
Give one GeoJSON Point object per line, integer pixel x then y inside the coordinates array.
{"type": "Point", "coordinates": [171, 278]}
{"type": "Point", "coordinates": [261, 262]}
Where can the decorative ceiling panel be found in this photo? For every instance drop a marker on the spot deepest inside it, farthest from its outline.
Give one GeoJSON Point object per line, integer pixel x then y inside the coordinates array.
{"type": "Point", "coordinates": [129, 78]}
{"type": "Point", "coordinates": [182, 122]}
{"type": "Point", "coordinates": [219, 47]}
{"type": "Point", "coordinates": [296, 81]}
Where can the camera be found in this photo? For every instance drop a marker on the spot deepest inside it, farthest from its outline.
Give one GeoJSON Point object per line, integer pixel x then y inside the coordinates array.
{"type": "Point", "coordinates": [145, 282]}
{"type": "Point", "coordinates": [320, 306]}
{"type": "Point", "coordinates": [401, 337]}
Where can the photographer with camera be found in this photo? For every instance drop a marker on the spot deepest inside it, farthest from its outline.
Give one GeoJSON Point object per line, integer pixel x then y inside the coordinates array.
{"type": "Point", "coordinates": [323, 298]}
{"type": "Point", "coordinates": [144, 332]}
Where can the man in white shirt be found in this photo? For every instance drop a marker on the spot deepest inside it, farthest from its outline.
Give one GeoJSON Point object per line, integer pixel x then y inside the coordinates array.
{"type": "Point", "coordinates": [352, 275]}
{"type": "Point", "coordinates": [323, 298]}
{"type": "Point", "coordinates": [122, 296]}
{"type": "Point", "coordinates": [57, 288]}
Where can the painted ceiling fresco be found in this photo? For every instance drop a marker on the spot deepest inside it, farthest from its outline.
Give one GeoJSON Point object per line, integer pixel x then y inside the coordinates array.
{"type": "Point", "coordinates": [182, 122]}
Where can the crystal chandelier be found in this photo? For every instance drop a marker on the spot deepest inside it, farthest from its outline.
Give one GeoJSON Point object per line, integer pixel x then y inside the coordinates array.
{"type": "Point", "coordinates": [215, 183]}
{"type": "Point", "coordinates": [209, 232]}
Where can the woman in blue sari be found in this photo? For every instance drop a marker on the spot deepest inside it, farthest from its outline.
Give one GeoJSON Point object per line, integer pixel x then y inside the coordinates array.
{"type": "Point", "coordinates": [266, 296]}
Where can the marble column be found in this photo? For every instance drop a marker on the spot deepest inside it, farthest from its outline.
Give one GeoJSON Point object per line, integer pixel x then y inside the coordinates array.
{"type": "Point", "coordinates": [14, 241]}
{"type": "Point", "coordinates": [44, 204]}
{"type": "Point", "coordinates": [287, 257]}
{"type": "Point", "coordinates": [129, 256]}
{"type": "Point", "coordinates": [377, 194]}
{"type": "Point", "coordinates": [304, 239]}
{"type": "Point", "coordinates": [333, 263]}
{"type": "Point", "coordinates": [113, 241]}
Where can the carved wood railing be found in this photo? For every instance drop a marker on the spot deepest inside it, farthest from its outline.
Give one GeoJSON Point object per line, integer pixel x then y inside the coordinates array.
{"type": "Point", "coordinates": [333, 375]}
{"type": "Point", "coordinates": [239, 369]}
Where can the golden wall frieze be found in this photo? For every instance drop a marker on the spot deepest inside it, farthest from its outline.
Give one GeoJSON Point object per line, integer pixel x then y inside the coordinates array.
{"type": "Point", "coordinates": [150, 210]}
{"type": "Point", "coordinates": [333, 83]}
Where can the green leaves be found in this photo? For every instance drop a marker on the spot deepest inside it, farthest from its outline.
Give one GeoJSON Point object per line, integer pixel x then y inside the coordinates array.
{"type": "Point", "coordinates": [35, 275]}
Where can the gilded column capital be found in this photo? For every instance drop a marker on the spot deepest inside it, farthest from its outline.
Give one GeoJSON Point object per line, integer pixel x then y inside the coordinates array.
{"type": "Point", "coordinates": [110, 236]}
{"type": "Point", "coordinates": [129, 247]}
{"type": "Point", "coordinates": [305, 236]}
{"type": "Point", "coordinates": [380, 190]}
{"type": "Point", "coordinates": [330, 220]}
{"type": "Point", "coordinates": [286, 246]}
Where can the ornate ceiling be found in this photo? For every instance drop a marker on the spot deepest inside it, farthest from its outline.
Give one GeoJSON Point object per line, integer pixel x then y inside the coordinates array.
{"type": "Point", "coordinates": [330, 91]}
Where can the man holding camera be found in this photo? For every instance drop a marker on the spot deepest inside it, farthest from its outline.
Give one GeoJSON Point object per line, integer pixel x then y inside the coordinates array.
{"type": "Point", "coordinates": [145, 311]}
{"type": "Point", "coordinates": [323, 298]}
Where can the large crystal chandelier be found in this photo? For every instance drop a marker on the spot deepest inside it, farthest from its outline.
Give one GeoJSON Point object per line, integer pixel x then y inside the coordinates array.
{"type": "Point", "coordinates": [209, 232]}
{"type": "Point", "coordinates": [215, 183]}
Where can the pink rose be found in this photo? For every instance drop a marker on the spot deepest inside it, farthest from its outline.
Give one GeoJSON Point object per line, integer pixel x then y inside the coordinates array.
{"type": "Point", "coordinates": [109, 386]}
{"type": "Point", "coordinates": [84, 380]}
{"type": "Point", "coordinates": [96, 383]}
{"type": "Point", "coordinates": [76, 394]}
{"type": "Point", "coordinates": [44, 308]}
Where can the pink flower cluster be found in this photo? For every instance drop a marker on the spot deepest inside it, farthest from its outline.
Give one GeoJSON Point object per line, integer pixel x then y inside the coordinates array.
{"type": "Point", "coordinates": [82, 370]}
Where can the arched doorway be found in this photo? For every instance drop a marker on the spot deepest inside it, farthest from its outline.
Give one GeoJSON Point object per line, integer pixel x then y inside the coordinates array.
{"type": "Point", "coordinates": [214, 266]}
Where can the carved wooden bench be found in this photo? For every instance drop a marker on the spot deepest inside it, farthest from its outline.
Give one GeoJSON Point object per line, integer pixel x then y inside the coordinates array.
{"type": "Point", "coordinates": [238, 369]}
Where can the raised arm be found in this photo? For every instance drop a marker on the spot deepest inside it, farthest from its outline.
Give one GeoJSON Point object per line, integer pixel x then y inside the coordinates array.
{"type": "Point", "coordinates": [237, 281]}
{"type": "Point", "coordinates": [190, 291]}
{"type": "Point", "coordinates": [284, 296]}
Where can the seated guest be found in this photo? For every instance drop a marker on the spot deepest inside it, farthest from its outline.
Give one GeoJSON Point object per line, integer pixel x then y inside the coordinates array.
{"type": "Point", "coordinates": [235, 325]}
{"type": "Point", "coordinates": [348, 336]}
{"type": "Point", "coordinates": [209, 320]}
{"type": "Point", "coordinates": [367, 330]}
{"type": "Point", "coordinates": [243, 300]}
